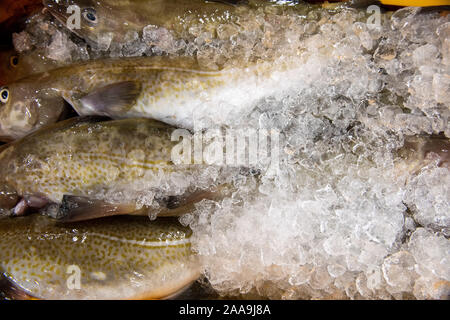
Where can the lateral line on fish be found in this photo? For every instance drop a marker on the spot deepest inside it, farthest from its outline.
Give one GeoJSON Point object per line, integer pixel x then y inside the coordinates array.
{"type": "Point", "coordinates": [152, 244]}
{"type": "Point", "coordinates": [158, 68]}
{"type": "Point", "coordinates": [132, 163]}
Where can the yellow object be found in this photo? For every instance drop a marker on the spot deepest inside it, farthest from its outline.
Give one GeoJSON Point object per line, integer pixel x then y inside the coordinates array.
{"type": "Point", "coordinates": [416, 3]}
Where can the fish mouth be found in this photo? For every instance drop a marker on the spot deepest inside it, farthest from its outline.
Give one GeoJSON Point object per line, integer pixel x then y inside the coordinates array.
{"type": "Point", "coordinates": [58, 9]}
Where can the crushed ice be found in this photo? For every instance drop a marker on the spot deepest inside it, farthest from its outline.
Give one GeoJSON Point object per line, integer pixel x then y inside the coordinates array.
{"type": "Point", "coordinates": [337, 219]}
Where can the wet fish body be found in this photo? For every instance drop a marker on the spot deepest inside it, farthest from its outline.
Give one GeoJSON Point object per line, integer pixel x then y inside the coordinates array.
{"type": "Point", "coordinates": [112, 258]}
{"type": "Point", "coordinates": [110, 21]}
{"type": "Point", "coordinates": [173, 90]}
{"type": "Point", "coordinates": [90, 169]}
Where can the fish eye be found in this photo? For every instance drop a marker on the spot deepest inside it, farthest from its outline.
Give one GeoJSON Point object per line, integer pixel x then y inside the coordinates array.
{"type": "Point", "coordinates": [90, 15]}
{"type": "Point", "coordinates": [4, 95]}
{"type": "Point", "coordinates": [14, 61]}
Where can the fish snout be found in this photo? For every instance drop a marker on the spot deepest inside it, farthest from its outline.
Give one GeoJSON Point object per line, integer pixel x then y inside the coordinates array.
{"type": "Point", "coordinates": [58, 8]}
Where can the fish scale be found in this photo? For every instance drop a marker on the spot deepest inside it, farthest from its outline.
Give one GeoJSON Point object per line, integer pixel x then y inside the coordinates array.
{"type": "Point", "coordinates": [86, 168]}
{"type": "Point", "coordinates": [35, 254]}
{"type": "Point", "coordinates": [80, 161]}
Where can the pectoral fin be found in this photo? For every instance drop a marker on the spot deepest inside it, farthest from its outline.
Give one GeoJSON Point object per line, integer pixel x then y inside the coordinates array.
{"type": "Point", "coordinates": [75, 209]}
{"type": "Point", "coordinates": [112, 100]}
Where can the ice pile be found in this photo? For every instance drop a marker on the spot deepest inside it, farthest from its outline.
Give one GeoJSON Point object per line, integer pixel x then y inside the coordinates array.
{"type": "Point", "coordinates": [45, 36]}
{"type": "Point", "coordinates": [340, 217]}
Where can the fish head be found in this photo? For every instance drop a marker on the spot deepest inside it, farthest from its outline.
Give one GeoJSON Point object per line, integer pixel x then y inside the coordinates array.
{"type": "Point", "coordinates": [24, 107]}
{"type": "Point", "coordinates": [14, 65]}
{"type": "Point", "coordinates": [93, 21]}
{"type": "Point", "coordinates": [9, 65]}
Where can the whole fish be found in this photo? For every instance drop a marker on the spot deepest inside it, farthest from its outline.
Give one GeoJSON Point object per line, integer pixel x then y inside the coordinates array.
{"type": "Point", "coordinates": [176, 91]}
{"type": "Point", "coordinates": [112, 19]}
{"type": "Point", "coordinates": [112, 258]}
{"type": "Point", "coordinates": [83, 168]}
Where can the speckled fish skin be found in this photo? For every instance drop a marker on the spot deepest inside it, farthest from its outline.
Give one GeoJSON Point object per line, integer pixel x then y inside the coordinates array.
{"type": "Point", "coordinates": [117, 258]}
{"type": "Point", "coordinates": [122, 16]}
{"type": "Point", "coordinates": [84, 157]}
{"type": "Point", "coordinates": [38, 100]}
{"type": "Point", "coordinates": [171, 90]}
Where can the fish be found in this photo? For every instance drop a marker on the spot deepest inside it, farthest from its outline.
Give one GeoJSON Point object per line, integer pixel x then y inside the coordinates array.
{"type": "Point", "coordinates": [32, 111]}
{"type": "Point", "coordinates": [87, 168]}
{"type": "Point", "coordinates": [114, 19]}
{"type": "Point", "coordinates": [174, 90]}
{"type": "Point", "coordinates": [113, 258]}
{"type": "Point", "coordinates": [109, 21]}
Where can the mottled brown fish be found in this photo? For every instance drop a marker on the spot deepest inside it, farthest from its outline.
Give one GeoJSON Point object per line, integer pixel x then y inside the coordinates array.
{"type": "Point", "coordinates": [111, 20]}
{"type": "Point", "coordinates": [176, 91]}
{"type": "Point", "coordinates": [81, 169]}
{"type": "Point", "coordinates": [111, 258]}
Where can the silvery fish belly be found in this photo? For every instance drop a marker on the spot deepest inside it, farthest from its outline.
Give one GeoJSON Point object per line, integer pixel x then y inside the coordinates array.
{"type": "Point", "coordinates": [112, 258]}
{"type": "Point", "coordinates": [82, 169]}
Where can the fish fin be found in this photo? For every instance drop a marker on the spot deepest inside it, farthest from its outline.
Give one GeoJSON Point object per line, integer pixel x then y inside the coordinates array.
{"type": "Point", "coordinates": [113, 99]}
{"type": "Point", "coordinates": [74, 209]}
{"type": "Point", "coordinates": [178, 205]}
{"type": "Point", "coordinates": [20, 209]}
{"type": "Point", "coordinates": [10, 291]}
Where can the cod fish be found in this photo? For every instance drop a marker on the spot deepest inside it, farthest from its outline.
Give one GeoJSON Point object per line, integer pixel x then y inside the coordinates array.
{"type": "Point", "coordinates": [112, 258]}
{"type": "Point", "coordinates": [176, 91]}
{"type": "Point", "coordinates": [103, 22]}
{"type": "Point", "coordinates": [83, 168]}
